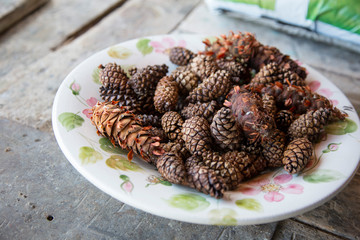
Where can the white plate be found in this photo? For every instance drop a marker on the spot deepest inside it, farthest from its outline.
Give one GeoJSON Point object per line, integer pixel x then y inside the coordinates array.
{"type": "Point", "coordinates": [270, 197]}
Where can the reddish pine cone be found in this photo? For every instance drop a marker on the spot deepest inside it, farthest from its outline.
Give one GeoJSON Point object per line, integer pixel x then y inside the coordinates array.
{"type": "Point", "coordinates": [166, 95]}
{"type": "Point", "coordinates": [196, 135]}
{"type": "Point", "coordinates": [297, 154]}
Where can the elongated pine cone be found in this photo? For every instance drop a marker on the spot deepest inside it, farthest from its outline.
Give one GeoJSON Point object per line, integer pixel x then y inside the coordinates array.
{"type": "Point", "coordinates": [166, 95]}
{"type": "Point", "coordinates": [144, 81]}
{"type": "Point", "coordinates": [172, 124]}
{"type": "Point", "coordinates": [186, 79]}
{"type": "Point", "coordinates": [250, 114]}
{"type": "Point", "coordinates": [205, 110]}
{"type": "Point", "coordinates": [269, 104]}
{"type": "Point", "coordinates": [180, 56]}
{"type": "Point", "coordinates": [273, 148]}
{"type": "Point", "coordinates": [310, 124]}
{"type": "Point", "coordinates": [122, 127]}
{"type": "Point", "coordinates": [204, 179]}
{"type": "Point", "coordinates": [172, 168]}
{"type": "Point", "coordinates": [297, 154]}
{"type": "Point", "coordinates": [225, 130]}
{"type": "Point", "coordinates": [224, 167]}
{"type": "Point", "coordinates": [216, 85]}
{"type": "Point", "coordinates": [196, 135]}
{"type": "Point", "coordinates": [203, 66]}
{"type": "Point", "coordinates": [149, 120]}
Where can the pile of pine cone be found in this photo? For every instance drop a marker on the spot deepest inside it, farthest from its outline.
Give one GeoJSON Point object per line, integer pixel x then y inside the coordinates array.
{"type": "Point", "coordinates": [221, 117]}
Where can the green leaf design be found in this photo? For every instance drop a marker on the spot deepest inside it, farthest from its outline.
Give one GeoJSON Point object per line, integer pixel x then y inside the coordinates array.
{"type": "Point", "coordinates": [124, 177]}
{"type": "Point", "coordinates": [188, 202]}
{"type": "Point", "coordinates": [122, 163]}
{"type": "Point", "coordinates": [107, 146]}
{"type": "Point", "coordinates": [143, 46]}
{"type": "Point", "coordinates": [165, 183]}
{"type": "Point", "coordinates": [249, 204]}
{"type": "Point", "coordinates": [89, 155]}
{"type": "Point", "coordinates": [119, 52]}
{"type": "Point", "coordinates": [95, 76]}
{"type": "Point", "coordinates": [70, 120]}
{"type": "Point", "coordinates": [224, 216]}
{"type": "Point", "coordinates": [341, 127]}
{"type": "Point", "coordinates": [322, 176]}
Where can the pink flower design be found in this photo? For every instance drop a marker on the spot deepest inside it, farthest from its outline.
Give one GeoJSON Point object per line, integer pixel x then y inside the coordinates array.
{"type": "Point", "coordinates": [91, 101]}
{"type": "Point", "coordinates": [273, 188]}
{"type": "Point", "coordinates": [75, 88]}
{"type": "Point", "coordinates": [165, 43]}
{"type": "Point", "coordinates": [127, 186]}
{"type": "Point", "coordinates": [326, 92]}
{"type": "Point", "coordinates": [87, 112]}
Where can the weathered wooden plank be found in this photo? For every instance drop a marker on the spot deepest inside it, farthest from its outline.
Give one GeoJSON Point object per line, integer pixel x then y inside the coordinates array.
{"type": "Point", "coordinates": [34, 87]}
{"type": "Point", "coordinates": [313, 53]}
{"type": "Point", "coordinates": [296, 231]}
{"type": "Point", "coordinates": [32, 39]}
{"type": "Point", "coordinates": [340, 215]}
{"type": "Point", "coordinates": [12, 11]}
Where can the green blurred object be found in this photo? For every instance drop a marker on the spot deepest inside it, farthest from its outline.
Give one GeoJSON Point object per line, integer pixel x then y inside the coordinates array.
{"type": "Point", "coordinates": [265, 4]}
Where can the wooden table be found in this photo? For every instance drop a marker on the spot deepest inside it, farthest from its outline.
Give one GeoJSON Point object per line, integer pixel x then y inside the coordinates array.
{"type": "Point", "coordinates": [43, 197]}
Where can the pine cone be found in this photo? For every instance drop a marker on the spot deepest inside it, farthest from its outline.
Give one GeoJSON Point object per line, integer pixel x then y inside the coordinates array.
{"type": "Point", "coordinates": [267, 74]}
{"type": "Point", "coordinates": [160, 133]}
{"type": "Point", "coordinates": [283, 119]}
{"type": "Point", "coordinates": [309, 125]}
{"type": "Point", "coordinates": [112, 75]}
{"type": "Point", "coordinates": [177, 148]}
{"type": "Point", "coordinates": [149, 120]}
{"type": "Point", "coordinates": [250, 114]}
{"type": "Point", "coordinates": [172, 168]}
{"type": "Point", "coordinates": [223, 167]}
{"type": "Point", "coordinates": [144, 81]}
{"type": "Point", "coordinates": [204, 179]}
{"type": "Point", "coordinates": [225, 130]}
{"type": "Point", "coordinates": [269, 104]}
{"type": "Point", "coordinates": [166, 95]}
{"type": "Point", "coordinates": [186, 79]}
{"type": "Point", "coordinates": [247, 165]}
{"type": "Point", "coordinates": [203, 66]}
{"type": "Point", "coordinates": [238, 72]}
{"type": "Point", "coordinates": [196, 135]}
{"type": "Point", "coordinates": [122, 127]}
{"type": "Point", "coordinates": [172, 124]}
{"type": "Point", "coordinates": [216, 85]}
{"type": "Point", "coordinates": [273, 148]}
{"type": "Point", "coordinates": [297, 154]}
{"type": "Point", "coordinates": [180, 56]}
{"type": "Point", "coordinates": [205, 110]}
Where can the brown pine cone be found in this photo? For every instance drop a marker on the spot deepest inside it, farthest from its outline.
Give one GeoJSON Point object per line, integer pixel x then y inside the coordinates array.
{"type": "Point", "coordinates": [149, 120]}
{"type": "Point", "coordinates": [216, 85]}
{"type": "Point", "coordinates": [203, 66]}
{"type": "Point", "coordinates": [297, 154]}
{"type": "Point", "coordinates": [177, 148]}
{"type": "Point", "coordinates": [186, 79]}
{"type": "Point", "coordinates": [166, 95]}
{"type": "Point", "coordinates": [144, 81]}
{"type": "Point", "coordinates": [205, 110]}
{"type": "Point", "coordinates": [225, 130]}
{"type": "Point", "coordinates": [112, 75]}
{"type": "Point", "coordinates": [283, 119]}
{"type": "Point", "coordinates": [159, 132]}
{"type": "Point", "coordinates": [238, 72]}
{"type": "Point", "coordinates": [223, 167]}
{"type": "Point", "coordinates": [204, 179]}
{"type": "Point", "coordinates": [180, 56]}
{"type": "Point", "coordinates": [172, 168]}
{"type": "Point", "coordinates": [172, 124]}
{"type": "Point", "coordinates": [269, 104]}
{"type": "Point", "coordinates": [273, 148]}
{"type": "Point", "coordinates": [196, 135]}
{"type": "Point", "coordinates": [267, 74]}
{"type": "Point", "coordinates": [310, 124]}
